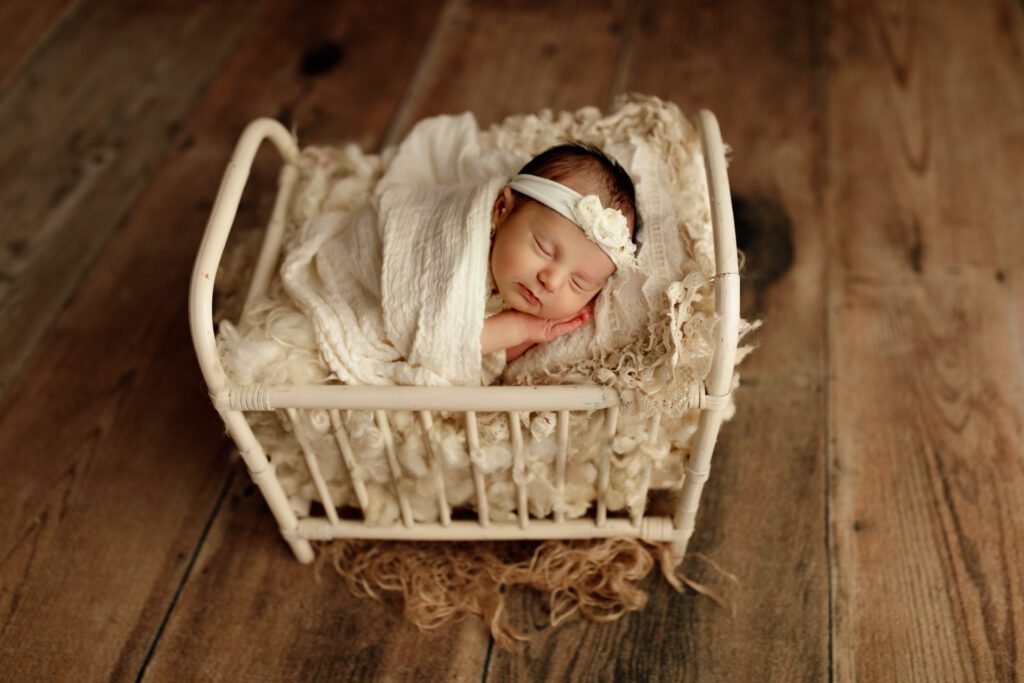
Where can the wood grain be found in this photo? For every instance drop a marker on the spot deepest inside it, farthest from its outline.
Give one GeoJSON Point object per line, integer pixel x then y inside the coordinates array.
{"type": "Point", "coordinates": [100, 515]}
{"type": "Point", "coordinates": [926, 350]}
{"type": "Point", "coordinates": [81, 132]}
{"type": "Point", "coordinates": [763, 510]}
{"type": "Point", "coordinates": [105, 494]}
{"type": "Point", "coordinates": [510, 57]}
{"type": "Point", "coordinates": [26, 24]}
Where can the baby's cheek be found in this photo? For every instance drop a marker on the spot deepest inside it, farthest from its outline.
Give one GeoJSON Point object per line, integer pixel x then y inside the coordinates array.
{"type": "Point", "coordinates": [564, 309]}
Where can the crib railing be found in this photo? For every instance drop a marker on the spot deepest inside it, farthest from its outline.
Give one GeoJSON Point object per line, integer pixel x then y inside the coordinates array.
{"type": "Point", "coordinates": [232, 400]}
{"type": "Point", "coordinates": [483, 528]}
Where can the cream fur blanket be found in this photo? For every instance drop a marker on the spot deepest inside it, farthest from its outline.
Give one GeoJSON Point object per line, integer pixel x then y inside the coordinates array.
{"type": "Point", "coordinates": [651, 338]}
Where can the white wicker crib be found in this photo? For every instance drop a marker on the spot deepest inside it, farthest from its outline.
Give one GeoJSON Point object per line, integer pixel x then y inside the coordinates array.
{"type": "Point", "coordinates": [298, 528]}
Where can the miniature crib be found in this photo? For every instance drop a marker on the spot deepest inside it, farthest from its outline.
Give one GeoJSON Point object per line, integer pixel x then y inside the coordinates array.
{"type": "Point", "coordinates": [299, 528]}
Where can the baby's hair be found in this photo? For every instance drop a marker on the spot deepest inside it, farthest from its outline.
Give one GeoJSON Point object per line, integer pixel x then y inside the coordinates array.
{"type": "Point", "coordinates": [613, 184]}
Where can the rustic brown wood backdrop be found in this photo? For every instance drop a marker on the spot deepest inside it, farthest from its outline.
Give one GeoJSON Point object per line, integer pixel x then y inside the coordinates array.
{"type": "Point", "coordinates": [869, 492]}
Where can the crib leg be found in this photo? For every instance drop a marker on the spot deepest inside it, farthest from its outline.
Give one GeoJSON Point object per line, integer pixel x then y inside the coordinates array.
{"type": "Point", "coordinates": [302, 549]}
{"type": "Point", "coordinates": [686, 514]}
{"type": "Point", "coordinates": [679, 544]}
{"type": "Point", "coordinates": [263, 475]}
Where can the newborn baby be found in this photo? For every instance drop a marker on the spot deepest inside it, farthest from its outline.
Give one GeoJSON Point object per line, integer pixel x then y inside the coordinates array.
{"type": "Point", "coordinates": [562, 227]}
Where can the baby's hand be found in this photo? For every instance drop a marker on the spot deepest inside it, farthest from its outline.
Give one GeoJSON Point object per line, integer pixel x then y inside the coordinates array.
{"type": "Point", "coordinates": [544, 330]}
{"type": "Point", "coordinates": [519, 331]}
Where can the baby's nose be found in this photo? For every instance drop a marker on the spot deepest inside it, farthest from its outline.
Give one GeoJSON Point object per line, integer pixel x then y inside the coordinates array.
{"type": "Point", "coordinates": [551, 278]}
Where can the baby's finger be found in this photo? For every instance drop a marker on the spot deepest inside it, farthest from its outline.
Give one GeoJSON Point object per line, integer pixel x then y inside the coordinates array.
{"type": "Point", "coordinates": [566, 319]}
{"type": "Point", "coordinates": [568, 326]}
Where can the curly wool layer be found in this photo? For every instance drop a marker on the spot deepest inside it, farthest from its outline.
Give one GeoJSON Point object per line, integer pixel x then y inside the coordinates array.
{"type": "Point", "coordinates": [443, 583]}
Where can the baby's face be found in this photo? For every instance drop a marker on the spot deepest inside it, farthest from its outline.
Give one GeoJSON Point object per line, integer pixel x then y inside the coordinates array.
{"type": "Point", "coordinates": [542, 262]}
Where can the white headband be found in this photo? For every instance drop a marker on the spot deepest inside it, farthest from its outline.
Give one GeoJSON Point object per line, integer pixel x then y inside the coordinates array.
{"type": "Point", "coordinates": [605, 227]}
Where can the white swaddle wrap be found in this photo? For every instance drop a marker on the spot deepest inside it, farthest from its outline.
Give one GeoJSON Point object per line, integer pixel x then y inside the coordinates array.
{"type": "Point", "coordinates": [397, 293]}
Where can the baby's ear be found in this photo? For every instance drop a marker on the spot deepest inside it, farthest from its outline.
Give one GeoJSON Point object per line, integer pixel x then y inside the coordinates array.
{"type": "Point", "coordinates": [502, 206]}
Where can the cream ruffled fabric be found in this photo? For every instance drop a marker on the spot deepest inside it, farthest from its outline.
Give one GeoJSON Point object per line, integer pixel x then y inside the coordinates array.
{"type": "Point", "coordinates": [651, 339]}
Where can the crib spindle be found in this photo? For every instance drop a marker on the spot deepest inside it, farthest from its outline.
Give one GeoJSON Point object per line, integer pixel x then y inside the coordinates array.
{"type": "Point", "coordinates": [645, 477]}
{"type": "Point", "coordinates": [348, 458]}
{"type": "Point", "coordinates": [519, 471]}
{"type": "Point", "coordinates": [563, 450]}
{"type": "Point", "coordinates": [473, 441]}
{"type": "Point", "coordinates": [396, 471]}
{"type": "Point", "coordinates": [314, 468]}
{"type": "Point", "coordinates": [443, 509]}
{"type": "Point", "coordinates": [611, 424]}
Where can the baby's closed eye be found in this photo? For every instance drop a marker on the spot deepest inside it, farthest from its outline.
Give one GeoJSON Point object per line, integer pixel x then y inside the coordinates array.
{"type": "Point", "coordinates": [583, 284]}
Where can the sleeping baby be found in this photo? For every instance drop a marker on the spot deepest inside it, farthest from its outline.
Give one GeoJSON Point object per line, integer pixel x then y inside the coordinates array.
{"type": "Point", "coordinates": [561, 229]}
{"type": "Point", "coordinates": [450, 269]}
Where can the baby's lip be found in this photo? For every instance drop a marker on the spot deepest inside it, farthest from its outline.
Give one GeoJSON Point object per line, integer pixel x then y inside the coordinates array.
{"type": "Point", "coordinates": [528, 293]}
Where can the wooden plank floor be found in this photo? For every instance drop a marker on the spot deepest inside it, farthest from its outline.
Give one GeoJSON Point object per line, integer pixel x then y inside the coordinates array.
{"type": "Point", "coordinates": [869, 493]}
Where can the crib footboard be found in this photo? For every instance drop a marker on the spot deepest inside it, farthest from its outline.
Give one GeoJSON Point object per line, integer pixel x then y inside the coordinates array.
{"type": "Point", "coordinates": [231, 401]}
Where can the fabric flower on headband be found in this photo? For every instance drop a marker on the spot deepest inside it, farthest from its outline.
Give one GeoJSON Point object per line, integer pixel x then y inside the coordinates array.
{"type": "Point", "coordinates": [605, 227]}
